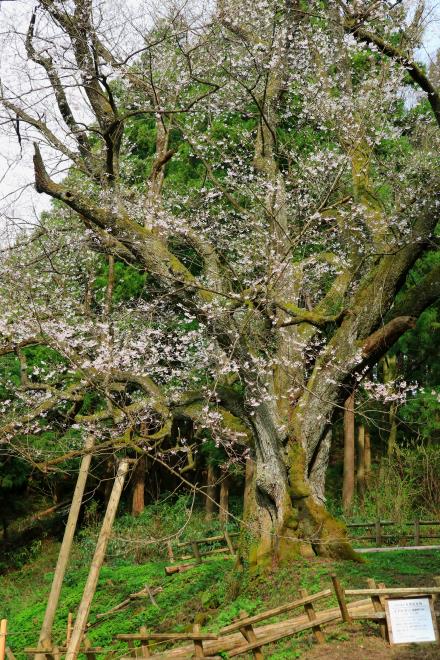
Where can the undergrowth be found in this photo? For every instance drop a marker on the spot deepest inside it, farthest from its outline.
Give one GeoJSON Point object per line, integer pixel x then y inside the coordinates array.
{"type": "Point", "coordinates": [206, 594]}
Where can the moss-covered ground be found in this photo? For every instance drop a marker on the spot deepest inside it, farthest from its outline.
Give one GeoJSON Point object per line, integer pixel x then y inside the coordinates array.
{"type": "Point", "coordinates": [210, 593]}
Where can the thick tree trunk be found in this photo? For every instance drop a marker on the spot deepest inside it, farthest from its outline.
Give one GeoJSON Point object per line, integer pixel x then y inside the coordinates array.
{"type": "Point", "coordinates": [349, 432]}
{"type": "Point", "coordinates": [210, 492]}
{"type": "Point", "coordinates": [283, 512]}
{"type": "Point", "coordinates": [138, 487]}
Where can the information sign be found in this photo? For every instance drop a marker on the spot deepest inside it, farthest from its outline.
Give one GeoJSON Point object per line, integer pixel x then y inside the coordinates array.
{"type": "Point", "coordinates": [411, 620]}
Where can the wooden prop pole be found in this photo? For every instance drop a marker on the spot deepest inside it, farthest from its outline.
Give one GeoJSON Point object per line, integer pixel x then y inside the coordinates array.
{"type": "Point", "coordinates": [97, 561]}
{"type": "Point", "coordinates": [66, 546]}
{"type": "Point", "coordinates": [3, 632]}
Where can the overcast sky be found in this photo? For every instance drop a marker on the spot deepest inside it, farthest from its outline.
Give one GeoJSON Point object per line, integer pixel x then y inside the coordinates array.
{"type": "Point", "coordinates": [19, 202]}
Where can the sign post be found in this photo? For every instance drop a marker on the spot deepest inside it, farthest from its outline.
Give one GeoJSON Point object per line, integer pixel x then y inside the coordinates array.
{"type": "Point", "coordinates": [411, 620]}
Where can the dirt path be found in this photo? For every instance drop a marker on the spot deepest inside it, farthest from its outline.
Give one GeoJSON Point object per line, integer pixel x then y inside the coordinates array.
{"type": "Point", "coordinates": [364, 645]}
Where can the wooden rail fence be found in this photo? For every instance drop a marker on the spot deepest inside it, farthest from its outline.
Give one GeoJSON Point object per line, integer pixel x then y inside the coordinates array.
{"type": "Point", "coordinates": [250, 634]}
{"type": "Point", "coordinates": [379, 535]}
{"type": "Point", "coordinates": [196, 552]}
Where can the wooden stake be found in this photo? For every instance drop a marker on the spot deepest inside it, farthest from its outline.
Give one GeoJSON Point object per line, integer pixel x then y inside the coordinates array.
{"type": "Point", "coordinates": [339, 591]}
{"type": "Point", "coordinates": [377, 606]}
{"type": "Point", "coordinates": [97, 561]}
{"type": "Point", "coordinates": [170, 552]}
{"type": "Point", "coordinates": [3, 633]}
{"type": "Point", "coordinates": [198, 644]}
{"type": "Point", "coordinates": [311, 615]}
{"type": "Point", "coordinates": [196, 551]}
{"type": "Point", "coordinates": [145, 651]}
{"type": "Point", "coordinates": [249, 634]}
{"type": "Point", "coordinates": [66, 546]}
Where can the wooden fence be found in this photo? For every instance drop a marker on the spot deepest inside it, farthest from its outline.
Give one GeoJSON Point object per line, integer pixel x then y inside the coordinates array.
{"type": "Point", "coordinates": [196, 549]}
{"type": "Point", "coordinates": [250, 634]}
{"type": "Point", "coordinates": [379, 528]}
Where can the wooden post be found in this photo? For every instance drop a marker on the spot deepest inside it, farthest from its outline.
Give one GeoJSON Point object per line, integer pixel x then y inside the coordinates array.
{"type": "Point", "coordinates": [145, 651]}
{"type": "Point", "coordinates": [198, 644]}
{"type": "Point", "coordinates": [3, 633]}
{"type": "Point", "coordinates": [196, 551]}
{"type": "Point", "coordinates": [90, 655]}
{"type": "Point", "coordinates": [66, 545]}
{"type": "Point", "coordinates": [249, 634]}
{"type": "Point", "coordinates": [378, 532]}
{"type": "Point", "coordinates": [416, 532]}
{"type": "Point", "coordinates": [348, 478]}
{"type": "Point", "coordinates": [97, 561]}
{"type": "Point", "coordinates": [377, 606]}
{"type": "Point", "coordinates": [339, 591]}
{"type": "Point", "coordinates": [311, 615]}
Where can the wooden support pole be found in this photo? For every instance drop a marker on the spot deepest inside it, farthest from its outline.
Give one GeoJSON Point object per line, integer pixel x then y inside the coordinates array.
{"type": "Point", "coordinates": [3, 633]}
{"type": "Point", "coordinates": [249, 634]}
{"type": "Point", "coordinates": [66, 546]}
{"type": "Point", "coordinates": [97, 561]}
{"type": "Point", "coordinates": [339, 591]}
{"type": "Point", "coordinates": [311, 615]}
{"type": "Point", "coordinates": [377, 606]}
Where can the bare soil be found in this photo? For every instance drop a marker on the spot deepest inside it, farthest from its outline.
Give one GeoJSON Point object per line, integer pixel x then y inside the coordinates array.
{"type": "Point", "coordinates": [366, 644]}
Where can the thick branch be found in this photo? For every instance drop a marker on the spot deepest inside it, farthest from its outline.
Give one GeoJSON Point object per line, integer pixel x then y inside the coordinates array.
{"type": "Point", "coordinates": [419, 297]}
{"type": "Point", "coordinates": [416, 73]}
{"type": "Point", "coordinates": [380, 341]}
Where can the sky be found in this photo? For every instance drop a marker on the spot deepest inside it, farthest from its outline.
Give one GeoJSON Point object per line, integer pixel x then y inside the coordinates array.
{"type": "Point", "coordinates": [20, 204]}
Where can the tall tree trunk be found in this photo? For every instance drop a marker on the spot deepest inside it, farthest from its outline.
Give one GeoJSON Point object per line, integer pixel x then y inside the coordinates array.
{"type": "Point", "coordinates": [210, 492]}
{"type": "Point", "coordinates": [138, 487]}
{"type": "Point", "coordinates": [349, 432]}
{"type": "Point", "coordinates": [224, 500]}
{"type": "Point", "coordinates": [360, 463]}
{"type": "Point", "coordinates": [367, 457]}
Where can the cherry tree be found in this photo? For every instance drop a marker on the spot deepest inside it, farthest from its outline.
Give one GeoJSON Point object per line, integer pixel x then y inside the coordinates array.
{"type": "Point", "coordinates": [291, 189]}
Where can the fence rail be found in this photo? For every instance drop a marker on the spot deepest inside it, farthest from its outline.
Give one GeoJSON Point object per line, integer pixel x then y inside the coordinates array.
{"type": "Point", "coordinates": [378, 536]}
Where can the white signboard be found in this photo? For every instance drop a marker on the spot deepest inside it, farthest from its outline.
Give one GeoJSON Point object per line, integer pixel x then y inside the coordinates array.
{"type": "Point", "coordinates": [410, 620]}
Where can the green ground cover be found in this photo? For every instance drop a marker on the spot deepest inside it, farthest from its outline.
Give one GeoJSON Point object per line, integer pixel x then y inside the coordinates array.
{"type": "Point", "coordinates": [211, 594]}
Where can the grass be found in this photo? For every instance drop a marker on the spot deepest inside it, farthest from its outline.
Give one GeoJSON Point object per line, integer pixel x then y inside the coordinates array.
{"type": "Point", "coordinates": [204, 594]}
{"type": "Point", "coordinates": [211, 594]}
